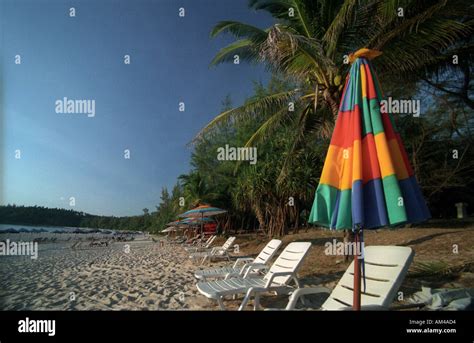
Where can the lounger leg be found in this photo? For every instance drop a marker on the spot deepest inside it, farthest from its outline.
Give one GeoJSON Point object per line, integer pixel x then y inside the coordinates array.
{"type": "Point", "coordinates": [245, 300]}
{"type": "Point", "coordinates": [221, 303]}
{"type": "Point", "coordinates": [298, 285]}
{"type": "Point", "coordinates": [256, 301]}
{"type": "Point", "coordinates": [297, 282]}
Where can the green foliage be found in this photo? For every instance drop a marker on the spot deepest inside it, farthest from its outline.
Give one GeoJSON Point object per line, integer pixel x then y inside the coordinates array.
{"type": "Point", "coordinates": [308, 42]}
{"type": "Point", "coordinates": [430, 268]}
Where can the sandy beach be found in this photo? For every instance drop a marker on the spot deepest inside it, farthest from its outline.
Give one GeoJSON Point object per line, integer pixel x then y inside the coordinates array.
{"type": "Point", "coordinates": [143, 274]}
{"type": "Point", "coordinates": [135, 275]}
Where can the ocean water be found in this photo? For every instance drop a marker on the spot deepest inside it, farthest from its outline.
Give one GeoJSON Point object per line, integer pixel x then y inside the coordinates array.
{"type": "Point", "coordinates": [52, 229]}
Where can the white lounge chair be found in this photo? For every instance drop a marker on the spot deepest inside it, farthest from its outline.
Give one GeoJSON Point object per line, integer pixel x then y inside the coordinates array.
{"type": "Point", "coordinates": [385, 270]}
{"type": "Point", "coordinates": [243, 266]}
{"type": "Point", "coordinates": [204, 246]}
{"type": "Point", "coordinates": [216, 252]}
{"type": "Point", "coordinates": [278, 277]}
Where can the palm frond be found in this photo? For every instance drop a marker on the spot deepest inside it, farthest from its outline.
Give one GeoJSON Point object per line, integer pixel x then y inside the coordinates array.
{"type": "Point", "coordinates": [411, 25]}
{"type": "Point", "coordinates": [302, 17]}
{"type": "Point", "coordinates": [331, 37]}
{"type": "Point", "coordinates": [266, 104]}
{"type": "Point", "coordinates": [238, 30]}
{"type": "Point", "coordinates": [273, 123]}
{"type": "Point", "coordinates": [309, 124]}
{"type": "Point", "coordinates": [268, 127]}
{"type": "Point", "coordinates": [244, 48]}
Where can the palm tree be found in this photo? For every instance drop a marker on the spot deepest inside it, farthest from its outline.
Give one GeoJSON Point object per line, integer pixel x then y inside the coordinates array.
{"type": "Point", "coordinates": [310, 43]}
{"type": "Point", "coordinates": [195, 189]}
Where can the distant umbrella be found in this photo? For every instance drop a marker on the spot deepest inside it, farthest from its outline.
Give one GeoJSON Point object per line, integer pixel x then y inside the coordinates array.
{"type": "Point", "coordinates": [197, 220]}
{"type": "Point", "coordinates": [201, 212]}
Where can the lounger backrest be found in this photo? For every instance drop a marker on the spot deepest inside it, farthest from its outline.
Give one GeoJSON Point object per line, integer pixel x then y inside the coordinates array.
{"type": "Point", "coordinates": [268, 252]}
{"type": "Point", "coordinates": [385, 269]}
{"type": "Point", "coordinates": [288, 261]}
{"type": "Point", "coordinates": [227, 244]}
{"type": "Point", "coordinates": [209, 241]}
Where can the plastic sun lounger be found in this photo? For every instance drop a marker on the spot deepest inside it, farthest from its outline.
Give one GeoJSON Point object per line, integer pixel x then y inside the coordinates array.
{"type": "Point", "coordinates": [243, 266]}
{"type": "Point", "coordinates": [278, 277]}
{"type": "Point", "coordinates": [216, 252]}
{"type": "Point", "coordinates": [193, 240]}
{"type": "Point", "coordinates": [205, 246]}
{"type": "Point", "coordinates": [385, 270]}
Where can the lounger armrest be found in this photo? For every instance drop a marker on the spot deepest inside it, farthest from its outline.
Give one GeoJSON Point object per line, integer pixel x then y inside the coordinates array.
{"type": "Point", "coordinates": [298, 293]}
{"type": "Point", "coordinates": [231, 275]}
{"type": "Point", "coordinates": [248, 268]}
{"type": "Point", "coordinates": [218, 251]}
{"type": "Point", "coordinates": [274, 275]}
{"type": "Point", "coordinates": [215, 250]}
{"type": "Point", "coordinates": [243, 260]}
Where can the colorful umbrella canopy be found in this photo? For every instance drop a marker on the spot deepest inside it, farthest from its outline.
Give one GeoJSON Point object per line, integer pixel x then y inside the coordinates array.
{"type": "Point", "coordinates": [367, 181]}
{"type": "Point", "coordinates": [197, 220]}
{"type": "Point", "coordinates": [203, 211]}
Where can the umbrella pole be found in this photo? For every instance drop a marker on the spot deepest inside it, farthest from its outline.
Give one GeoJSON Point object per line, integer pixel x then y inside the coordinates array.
{"type": "Point", "coordinates": [202, 224]}
{"type": "Point", "coordinates": [357, 276]}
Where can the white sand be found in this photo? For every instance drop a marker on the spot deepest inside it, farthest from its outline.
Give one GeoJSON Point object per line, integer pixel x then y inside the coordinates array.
{"type": "Point", "coordinates": [147, 277]}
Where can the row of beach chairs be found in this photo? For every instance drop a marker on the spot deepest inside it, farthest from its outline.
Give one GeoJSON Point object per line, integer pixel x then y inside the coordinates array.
{"type": "Point", "coordinates": [385, 269]}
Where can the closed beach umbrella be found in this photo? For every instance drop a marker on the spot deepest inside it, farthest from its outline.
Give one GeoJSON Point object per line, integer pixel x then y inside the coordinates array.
{"type": "Point", "coordinates": [367, 181]}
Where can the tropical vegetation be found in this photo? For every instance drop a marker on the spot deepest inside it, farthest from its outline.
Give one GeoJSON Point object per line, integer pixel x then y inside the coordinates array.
{"type": "Point", "coordinates": [427, 55]}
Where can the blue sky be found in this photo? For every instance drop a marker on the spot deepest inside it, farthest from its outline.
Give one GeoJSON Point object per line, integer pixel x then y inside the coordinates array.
{"type": "Point", "coordinates": [65, 156]}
